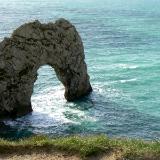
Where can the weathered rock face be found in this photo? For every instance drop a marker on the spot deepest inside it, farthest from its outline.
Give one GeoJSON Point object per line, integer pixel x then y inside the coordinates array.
{"type": "Point", "coordinates": [31, 46]}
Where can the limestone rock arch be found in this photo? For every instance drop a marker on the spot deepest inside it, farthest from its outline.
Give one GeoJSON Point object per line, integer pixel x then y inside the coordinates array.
{"type": "Point", "coordinates": [31, 46]}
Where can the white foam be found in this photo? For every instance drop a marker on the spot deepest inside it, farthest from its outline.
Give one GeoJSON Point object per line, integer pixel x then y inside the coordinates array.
{"type": "Point", "coordinates": [51, 102]}
{"type": "Point", "coordinates": [128, 80]}
{"type": "Point", "coordinates": [126, 66]}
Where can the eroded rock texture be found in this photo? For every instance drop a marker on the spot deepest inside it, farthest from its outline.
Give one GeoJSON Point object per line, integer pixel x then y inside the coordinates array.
{"type": "Point", "coordinates": [31, 46]}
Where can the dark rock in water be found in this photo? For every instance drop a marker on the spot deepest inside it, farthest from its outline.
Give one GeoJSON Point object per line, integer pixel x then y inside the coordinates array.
{"type": "Point", "coordinates": [31, 46]}
{"type": "Point", "coordinates": [1, 124]}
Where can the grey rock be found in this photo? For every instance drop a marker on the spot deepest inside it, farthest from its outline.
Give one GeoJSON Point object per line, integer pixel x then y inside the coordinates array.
{"type": "Point", "coordinates": [31, 46]}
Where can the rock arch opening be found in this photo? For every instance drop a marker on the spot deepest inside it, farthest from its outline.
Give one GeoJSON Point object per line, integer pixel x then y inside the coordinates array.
{"type": "Point", "coordinates": [46, 87]}
{"type": "Point", "coordinates": [31, 46]}
{"type": "Point", "coordinates": [46, 79]}
{"type": "Point", "coordinates": [48, 94]}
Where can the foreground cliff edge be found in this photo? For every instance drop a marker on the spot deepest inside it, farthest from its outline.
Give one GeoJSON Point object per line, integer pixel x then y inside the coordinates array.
{"type": "Point", "coordinates": [31, 46]}
{"type": "Point", "coordinates": [76, 148]}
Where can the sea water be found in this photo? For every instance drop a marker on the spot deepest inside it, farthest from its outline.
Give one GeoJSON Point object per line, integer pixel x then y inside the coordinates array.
{"type": "Point", "coordinates": [122, 47]}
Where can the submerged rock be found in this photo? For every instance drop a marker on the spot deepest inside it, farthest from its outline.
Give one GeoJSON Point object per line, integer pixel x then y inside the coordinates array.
{"type": "Point", "coordinates": [31, 46]}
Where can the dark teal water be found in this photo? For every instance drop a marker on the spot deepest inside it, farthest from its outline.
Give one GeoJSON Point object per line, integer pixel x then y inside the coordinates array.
{"type": "Point", "coordinates": [122, 47]}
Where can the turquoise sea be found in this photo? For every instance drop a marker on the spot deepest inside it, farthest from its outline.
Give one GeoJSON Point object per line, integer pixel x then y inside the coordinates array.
{"type": "Point", "coordinates": [122, 48]}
